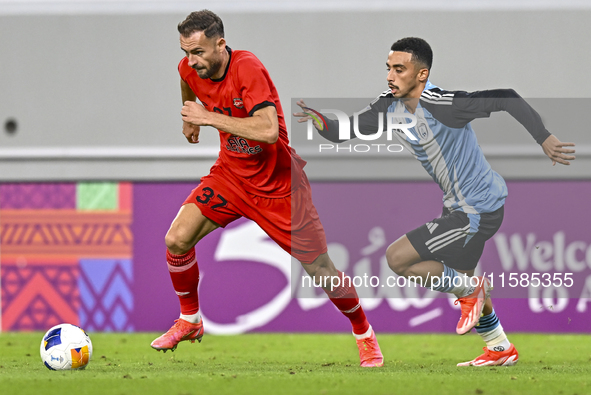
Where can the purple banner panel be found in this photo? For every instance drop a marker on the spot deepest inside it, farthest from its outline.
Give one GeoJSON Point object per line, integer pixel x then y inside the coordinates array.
{"type": "Point", "coordinates": [15, 196]}
{"type": "Point", "coordinates": [248, 283]}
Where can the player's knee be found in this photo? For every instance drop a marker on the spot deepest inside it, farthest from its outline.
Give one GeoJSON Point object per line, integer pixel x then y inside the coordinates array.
{"type": "Point", "coordinates": [321, 267]}
{"type": "Point", "coordinates": [176, 243]}
{"type": "Point", "coordinates": [396, 260]}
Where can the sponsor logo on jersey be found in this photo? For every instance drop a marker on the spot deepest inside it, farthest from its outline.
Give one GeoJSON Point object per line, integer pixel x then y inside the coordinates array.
{"type": "Point", "coordinates": [238, 103]}
{"type": "Point", "coordinates": [240, 145]}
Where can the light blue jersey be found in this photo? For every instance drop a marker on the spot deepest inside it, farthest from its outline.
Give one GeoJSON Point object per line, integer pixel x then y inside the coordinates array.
{"type": "Point", "coordinates": [445, 143]}
{"type": "Point", "coordinates": [452, 157]}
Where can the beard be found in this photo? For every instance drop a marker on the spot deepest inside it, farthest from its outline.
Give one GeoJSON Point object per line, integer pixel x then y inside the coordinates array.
{"type": "Point", "coordinates": [207, 72]}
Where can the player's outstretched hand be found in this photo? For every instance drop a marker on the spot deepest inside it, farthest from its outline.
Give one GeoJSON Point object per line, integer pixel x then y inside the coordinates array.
{"type": "Point", "coordinates": [307, 114]}
{"type": "Point", "coordinates": [555, 150]}
{"type": "Point", "coordinates": [191, 132]}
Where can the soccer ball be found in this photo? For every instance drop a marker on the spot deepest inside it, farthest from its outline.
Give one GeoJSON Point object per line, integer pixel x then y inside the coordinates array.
{"type": "Point", "coordinates": [66, 346]}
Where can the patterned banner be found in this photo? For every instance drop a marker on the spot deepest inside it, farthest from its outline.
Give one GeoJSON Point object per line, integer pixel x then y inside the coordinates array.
{"type": "Point", "coordinates": [66, 255]}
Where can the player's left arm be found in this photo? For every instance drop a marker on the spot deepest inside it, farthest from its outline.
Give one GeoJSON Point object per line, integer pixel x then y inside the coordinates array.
{"type": "Point", "coordinates": [480, 104]}
{"type": "Point", "coordinates": [262, 126]}
{"type": "Point", "coordinates": [190, 131]}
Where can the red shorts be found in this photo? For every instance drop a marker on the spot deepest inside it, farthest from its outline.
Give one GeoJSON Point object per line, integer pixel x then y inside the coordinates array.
{"type": "Point", "coordinates": [291, 221]}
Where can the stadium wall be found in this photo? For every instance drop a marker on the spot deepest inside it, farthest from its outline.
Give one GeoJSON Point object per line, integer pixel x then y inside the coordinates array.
{"type": "Point", "coordinates": [92, 87]}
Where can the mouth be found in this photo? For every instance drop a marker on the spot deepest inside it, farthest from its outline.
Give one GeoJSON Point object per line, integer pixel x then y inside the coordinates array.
{"type": "Point", "coordinates": [393, 88]}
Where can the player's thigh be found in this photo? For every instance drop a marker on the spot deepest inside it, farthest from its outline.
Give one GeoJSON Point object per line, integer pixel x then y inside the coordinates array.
{"type": "Point", "coordinates": [401, 254]}
{"type": "Point", "coordinates": [292, 222]}
{"type": "Point", "coordinates": [308, 240]}
{"type": "Point", "coordinates": [188, 227]}
{"type": "Point", "coordinates": [209, 206]}
{"type": "Point", "coordinates": [218, 199]}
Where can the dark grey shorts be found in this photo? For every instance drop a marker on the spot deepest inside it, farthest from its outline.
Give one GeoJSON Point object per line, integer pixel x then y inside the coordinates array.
{"type": "Point", "coordinates": [456, 238]}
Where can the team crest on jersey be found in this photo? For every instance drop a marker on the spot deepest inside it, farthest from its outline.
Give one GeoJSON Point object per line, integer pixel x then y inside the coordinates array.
{"type": "Point", "coordinates": [238, 103]}
{"type": "Point", "coordinates": [422, 130]}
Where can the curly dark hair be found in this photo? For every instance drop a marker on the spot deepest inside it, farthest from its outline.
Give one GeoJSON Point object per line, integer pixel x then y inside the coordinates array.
{"type": "Point", "coordinates": [419, 48]}
{"type": "Point", "coordinates": [202, 21]}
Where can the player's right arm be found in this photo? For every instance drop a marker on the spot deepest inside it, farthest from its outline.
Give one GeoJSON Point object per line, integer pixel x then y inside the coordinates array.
{"type": "Point", "coordinates": [190, 131]}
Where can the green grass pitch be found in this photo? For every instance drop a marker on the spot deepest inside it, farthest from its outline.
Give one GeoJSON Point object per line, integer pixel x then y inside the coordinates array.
{"type": "Point", "coordinates": [299, 364]}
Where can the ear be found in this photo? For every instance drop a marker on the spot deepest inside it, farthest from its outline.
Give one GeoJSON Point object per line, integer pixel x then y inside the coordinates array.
{"type": "Point", "coordinates": [221, 44]}
{"type": "Point", "coordinates": [423, 75]}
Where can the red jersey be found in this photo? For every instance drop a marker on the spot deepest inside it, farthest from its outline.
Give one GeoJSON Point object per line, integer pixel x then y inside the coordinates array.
{"type": "Point", "coordinates": [260, 168]}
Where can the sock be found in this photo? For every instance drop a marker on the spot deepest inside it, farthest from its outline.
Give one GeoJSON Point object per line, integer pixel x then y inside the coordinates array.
{"type": "Point", "coordinates": [345, 298]}
{"type": "Point", "coordinates": [192, 318]}
{"type": "Point", "coordinates": [453, 282]}
{"type": "Point", "coordinates": [490, 329]}
{"type": "Point", "coordinates": [365, 335]}
{"type": "Point", "coordinates": [184, 274]}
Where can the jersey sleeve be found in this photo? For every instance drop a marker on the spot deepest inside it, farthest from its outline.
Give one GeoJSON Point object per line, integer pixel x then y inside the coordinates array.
{"type": "Point", "coordinates": [456, 109]}
{"type": "Point", "coordinates": [254, 85]}
{"type": "Point", "coordinates": [367, 122]}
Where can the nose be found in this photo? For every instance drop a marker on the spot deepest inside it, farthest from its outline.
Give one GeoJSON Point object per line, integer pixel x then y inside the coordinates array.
{"type": "Point", "coordinates": [390, 76]}
{"type": "Point", "coordinates": [192, 60]}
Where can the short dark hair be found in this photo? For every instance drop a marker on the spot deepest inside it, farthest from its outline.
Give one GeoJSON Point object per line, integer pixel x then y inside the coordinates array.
{"type": "Point", "coordinates": [202, 21]}
{"type": "Point", "coordinates": [419, 48]}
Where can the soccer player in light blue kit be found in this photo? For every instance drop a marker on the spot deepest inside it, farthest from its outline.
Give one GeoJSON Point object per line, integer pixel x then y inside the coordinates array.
{"type": "Point", "coordinates": [448, 248]}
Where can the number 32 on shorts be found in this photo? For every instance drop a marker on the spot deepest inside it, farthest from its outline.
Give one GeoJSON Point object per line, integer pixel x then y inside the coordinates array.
{"type": "Point", "coordinates": [207, 195]}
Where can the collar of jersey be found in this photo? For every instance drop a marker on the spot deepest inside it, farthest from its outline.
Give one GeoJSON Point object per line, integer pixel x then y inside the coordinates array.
{"type": "Point", "coordinates": [429, 85]}
{"type": "Point", "coordinates": [227, 66]}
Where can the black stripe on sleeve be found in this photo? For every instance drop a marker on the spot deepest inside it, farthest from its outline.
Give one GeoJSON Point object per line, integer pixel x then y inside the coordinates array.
{"type": "Point", "coordinates": [259, 106]}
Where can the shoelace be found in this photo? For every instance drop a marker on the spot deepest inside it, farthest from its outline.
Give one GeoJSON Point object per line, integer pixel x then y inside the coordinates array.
{"type": "Point", "coordinates": [369, 345]}
{"type": "Point", "coordinates": [464, 306]}
{"type": "Point", "coordinates": [177, 324]}
{"type": "Point", "coordinates": [486, 351]}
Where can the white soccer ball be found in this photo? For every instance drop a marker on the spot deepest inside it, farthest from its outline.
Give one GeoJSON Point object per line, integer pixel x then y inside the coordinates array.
{"type": "Point", "coordinates": [65, 347]}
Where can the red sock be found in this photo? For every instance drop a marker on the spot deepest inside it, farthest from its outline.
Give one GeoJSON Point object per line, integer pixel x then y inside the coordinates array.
{"type": "Point", "coordinates": [345, 298]}
{"type": "Point", "coordinates": [184, 274]}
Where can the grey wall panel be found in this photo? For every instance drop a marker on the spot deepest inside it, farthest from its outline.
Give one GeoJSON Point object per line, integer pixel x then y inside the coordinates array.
{"type": "Point", "coordinates": [111, 80]}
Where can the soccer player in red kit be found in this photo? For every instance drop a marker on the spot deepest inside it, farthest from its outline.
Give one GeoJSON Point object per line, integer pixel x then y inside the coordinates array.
{"type": "Point", "coordinates": [257, 176]}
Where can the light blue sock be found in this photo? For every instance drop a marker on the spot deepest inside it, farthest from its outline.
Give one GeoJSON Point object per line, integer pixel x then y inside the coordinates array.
{"type": "Point", "coordinates": [490, 329]}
